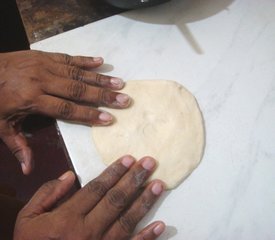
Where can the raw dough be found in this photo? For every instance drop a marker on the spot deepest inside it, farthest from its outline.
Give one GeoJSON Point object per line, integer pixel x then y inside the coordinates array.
{"type": "Point", "coordinates": [164, 121]}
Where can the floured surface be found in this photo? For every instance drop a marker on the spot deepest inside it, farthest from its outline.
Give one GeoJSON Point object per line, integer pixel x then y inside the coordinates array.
{"type": "Point", "coordinates": [164, 121]}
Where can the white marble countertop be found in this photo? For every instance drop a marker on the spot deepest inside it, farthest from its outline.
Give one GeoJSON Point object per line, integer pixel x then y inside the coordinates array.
{"type": "Point", "coordinates": [223, 51]}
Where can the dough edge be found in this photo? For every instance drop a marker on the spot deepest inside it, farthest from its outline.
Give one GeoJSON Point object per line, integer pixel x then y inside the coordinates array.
{"type": "Point", "coordinates": [182, 170]}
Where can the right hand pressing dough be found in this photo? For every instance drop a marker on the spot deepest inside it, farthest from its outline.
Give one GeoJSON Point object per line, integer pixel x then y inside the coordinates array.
{"type": "Point", "coordinates": [164, 121]}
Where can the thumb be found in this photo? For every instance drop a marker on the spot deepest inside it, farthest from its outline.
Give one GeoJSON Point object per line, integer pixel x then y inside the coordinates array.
{"type": "Point", "coordinates": [17, 143]}
{"type": "Point", "coordinates": [48, 195]}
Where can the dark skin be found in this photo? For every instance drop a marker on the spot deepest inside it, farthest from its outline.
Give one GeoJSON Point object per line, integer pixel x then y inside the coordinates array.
{"type": "Point", "coordinates": [56, 85]}
{"type": "Point", "coordinates": [107, 208]}
{"type": "Point", "coordinates": [64, 87]}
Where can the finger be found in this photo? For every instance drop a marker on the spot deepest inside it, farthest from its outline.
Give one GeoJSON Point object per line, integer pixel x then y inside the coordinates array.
{"type": "Point", "coordinates": [87, 198]}
{"type": "Point", "coordinates": [81, 92]}
{"type": "Point", "coordinates": [121, 195]}
{"type": "Point", "coordinates": [80, 61]}
{"type": "Point", "coordinates": [66, 110]}
{"type": "Point", "coordinates": [18, 145]}
{"type": "Point", "coordinates": [48, 195]}
{"type": "Point", "coordinates": [91, 78]}
{"type": "Point", "coordinates": [151, 232]}
{"type": "Point", "coordinates": [125, 225]}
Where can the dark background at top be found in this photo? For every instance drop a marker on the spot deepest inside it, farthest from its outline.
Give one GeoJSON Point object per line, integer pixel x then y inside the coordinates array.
{"type": "Point", "coordinates": [12, 34]}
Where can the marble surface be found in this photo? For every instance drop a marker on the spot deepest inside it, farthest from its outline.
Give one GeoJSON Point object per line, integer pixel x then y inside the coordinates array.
{"type": "Point", "coordinates": [223, 51]}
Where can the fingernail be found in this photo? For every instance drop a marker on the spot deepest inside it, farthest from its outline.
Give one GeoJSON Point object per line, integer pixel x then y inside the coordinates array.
{"type": "Point", "coordinates": [148, 163]}
{"type": "Point", "coordinates": [118, 82]}
{"type": "Point", "coordinates": [159, 229]}
{"type": "Point", "coordinates": [127, 161]}
{"type": "Point", "coordinates": [157, 188]}
{"type": "Point", "coordinates": [23, 166]}
{"type": "Point", "coordinates": [64, 176]}
{"type": "Point", "coordinates": [20, 156]}
{"type": "Point", "coordinates": [106, 117]}
{"type": "Point", "coordinates": [122, 99]}
{"type": "Point", "coordinates": [98, 59]}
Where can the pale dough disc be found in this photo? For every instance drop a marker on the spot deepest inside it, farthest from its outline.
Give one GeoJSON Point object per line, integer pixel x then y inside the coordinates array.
{"type": "Point", "coordinates": [164, 121]}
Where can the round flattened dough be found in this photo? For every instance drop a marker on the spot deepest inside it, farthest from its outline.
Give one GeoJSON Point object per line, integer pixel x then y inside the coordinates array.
{"type": "Point", "coordinates": [164, 121]}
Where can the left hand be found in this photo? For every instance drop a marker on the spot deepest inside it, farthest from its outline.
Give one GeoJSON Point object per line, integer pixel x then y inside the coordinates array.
{"type": "Point", "coordinates": [107, 208]}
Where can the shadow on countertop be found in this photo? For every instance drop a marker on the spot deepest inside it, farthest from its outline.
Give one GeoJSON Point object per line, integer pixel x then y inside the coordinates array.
{"type": "Point", "coordinates": [180, 13]}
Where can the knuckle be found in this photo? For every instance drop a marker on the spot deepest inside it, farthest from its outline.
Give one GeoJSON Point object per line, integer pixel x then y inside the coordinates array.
{"type": "Point", "coordinates": [77, 90]}
{"type": "Point", "coordinates": [98, 78]}
{"type": "Point", "coordinates": [104, 96]}
{"type": "Point", "coordinates": [100, 96]}
{"type": "Point", "coordinates": [117, 198]}
{"type": "Point", "coordinates": [97, 187]}
{"type": "Point", "coordinates": [139, 177]}
{"type": "Point", "coordinates": [67, 59]}
{"type": "Point", "coordinates": [76, 73]}
{"type": "Point", "coordinates": [91, 114]}
{"type": "Point", "coordinates": [101, 80]}
{"type": "Point", "coordinates": [66, 109]}
{"type": "Point", "coordinates": [112, 174]}
{"type": "Point", "coordinates": [128, 223]}
{"type": "Point", "coordinates": [15, 150]}
{"type": "Point", "coordinates": [114, 171]}
{"type": "Point", "coordinates": [146, 204]}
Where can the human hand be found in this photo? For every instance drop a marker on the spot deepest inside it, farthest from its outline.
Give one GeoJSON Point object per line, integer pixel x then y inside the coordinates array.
{"type": "Point", "coordinates": [56, 85]}
{"type": "Point", "coordinates": [107, 208]}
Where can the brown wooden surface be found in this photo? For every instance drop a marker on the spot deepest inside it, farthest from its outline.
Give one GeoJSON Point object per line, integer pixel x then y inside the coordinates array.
{"type": "Point", "coordinates": [46, 18]}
